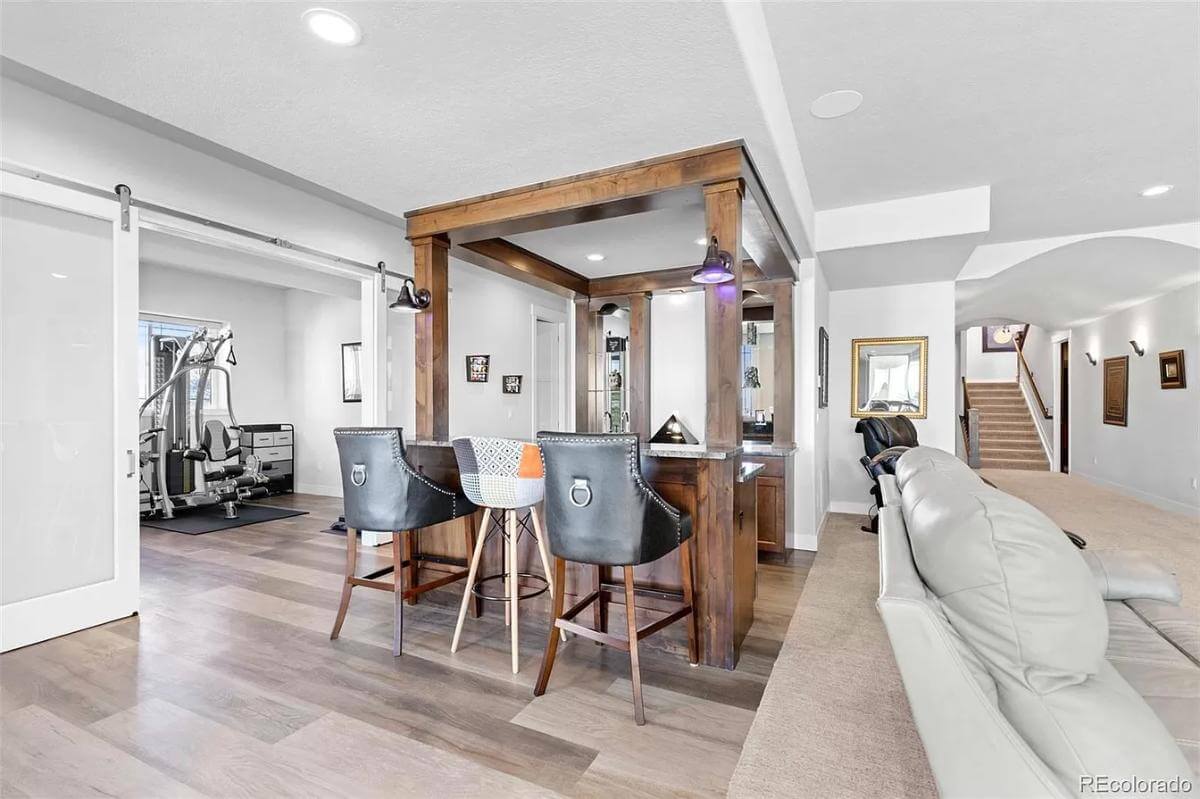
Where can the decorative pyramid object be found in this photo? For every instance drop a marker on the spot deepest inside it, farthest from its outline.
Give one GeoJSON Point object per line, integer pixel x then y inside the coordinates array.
{"type": "Point", "coordinates": [674, 432]}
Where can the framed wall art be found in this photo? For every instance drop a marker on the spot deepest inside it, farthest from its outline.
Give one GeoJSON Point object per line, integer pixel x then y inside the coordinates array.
{"type": "Point", "coordinates": [478, 367]}
{"type": "Point", "coordinates": [1116, 391]}
{"type": "Point", "coordinates": [822, 368]}
{"type": "Point", "coordinates": [1171, 373]}
{"type": "Point", "coordinates": [352, 372]}
{"type": "Point", "coordinates": [512, 384]}
{"type": "Point", "coordinates": [999, 338]}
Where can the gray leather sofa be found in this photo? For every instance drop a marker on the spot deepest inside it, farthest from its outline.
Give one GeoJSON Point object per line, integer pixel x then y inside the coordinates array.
{"type": "Point", "coordinates": [1032, 668]}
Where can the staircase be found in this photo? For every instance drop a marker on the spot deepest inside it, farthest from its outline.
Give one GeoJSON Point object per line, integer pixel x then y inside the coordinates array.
{"type": "Point", "coordinates": [1007, 436]}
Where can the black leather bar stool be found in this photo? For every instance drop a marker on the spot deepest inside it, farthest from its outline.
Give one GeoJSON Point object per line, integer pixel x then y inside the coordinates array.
{"type": "Point", "coordinates": [601, 512]}
{"type": "Point", "coordinates": [383, 492]}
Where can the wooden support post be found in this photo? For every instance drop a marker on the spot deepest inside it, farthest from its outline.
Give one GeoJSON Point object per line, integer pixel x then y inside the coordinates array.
{"type": "Point", "coordinates": [723, 319]}
{"type": "Point", "coordinates": [639, 366]}
{"type": "Point", "coordinates": [583, 364]}
{"type": "Point", "coordinates": [431, 259]}
{"type": "Point", "coordinates": [785, 364]}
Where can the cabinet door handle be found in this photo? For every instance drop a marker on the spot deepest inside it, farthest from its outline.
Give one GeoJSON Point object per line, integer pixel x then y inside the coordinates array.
{"type": "Point", "coordinates": [132, 463]}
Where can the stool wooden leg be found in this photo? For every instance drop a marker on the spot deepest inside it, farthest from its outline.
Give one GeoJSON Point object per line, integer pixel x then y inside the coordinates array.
{"type": "Point", "coordinates": [560, 581]}
{"type": "Point", "coordinates": [469, 535]}
{"type": "Point", "coordinates": [504, 562]}
{"type": "Point", "coordinates": [689, 599]}
{"type": "Point", "coordinates": [397, 594]}
{"type": "Point", "coordinates": [600, 609]}
{"type": "Point", "coordinates": [544, 551]}
{"type": "Point", "coordinates": [410, 552]}
{"type": "Point", "coordinates": [467, 595]}
{"type": "Point", "coordinates": [514, 587]}
{"type": "Point", "coordinates": [347, 587]}
{"type": "Point", "coordinates": [635, 671]}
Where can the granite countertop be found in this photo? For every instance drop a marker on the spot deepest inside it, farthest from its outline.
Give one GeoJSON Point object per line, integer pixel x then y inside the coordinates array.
{"type": "Point", "coordinates": [765, 448]}
{"type": "Point", "coordinates": [426, 442]}
{"type": "Point", "coordinates": [749, 470]}
{"type": "Point", "coordinates": [697, 451]}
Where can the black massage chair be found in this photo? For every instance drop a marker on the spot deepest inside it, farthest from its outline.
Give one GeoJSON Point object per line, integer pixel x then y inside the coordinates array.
{"type": "Point", "coordinates": [885, 439]}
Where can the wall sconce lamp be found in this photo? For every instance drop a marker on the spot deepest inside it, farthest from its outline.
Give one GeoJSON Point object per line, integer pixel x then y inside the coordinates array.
{"type": "Point", "coordinates": [411, 299]}
{"type": "Point", "coordinates": [1139, 350]}
{"type": "Point", "coordinates": [717, 266]}
{"type": "Point", "coordinates": [1091, 358]}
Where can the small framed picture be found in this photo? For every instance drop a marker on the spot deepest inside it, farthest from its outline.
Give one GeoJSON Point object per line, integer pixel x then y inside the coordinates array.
{"type": "Point", "coordinates": [352, 372]}
{"type": "Point", "coordinates": [822, 369]}
{"type": "Point", "coordinates": [477, 368]}
{"type": "Point", "coordinates": [512, 384]}
{"type": "Point", "coordinates": [1116, 391]}
{"type": "Point", "coordinates": [1171, 373]}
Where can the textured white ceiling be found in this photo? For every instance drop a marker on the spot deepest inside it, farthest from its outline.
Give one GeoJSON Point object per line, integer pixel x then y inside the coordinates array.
{"type": "Point", "coordinates": [440, 101]}
{"type": "Point", "coordinates": [1078, 282]}
{"type": "Point", "coordinates": [1067, 110]}
{"type": "Point", "coordinates": [641, 243]}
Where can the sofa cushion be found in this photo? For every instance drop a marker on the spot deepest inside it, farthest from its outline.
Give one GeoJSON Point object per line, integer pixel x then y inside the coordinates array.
{"type": "Point", "coordinates": [1157, 668]}
{"type": "Point", "coordinates": [1098, 727]}
{"type": "Point", "coordinates": [1010, 582]}
{"type": "Point", "coordinates": [919, 460]}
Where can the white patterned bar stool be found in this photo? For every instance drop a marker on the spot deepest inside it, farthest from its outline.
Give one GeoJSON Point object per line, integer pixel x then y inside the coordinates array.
{"type": "Point", "coordinates": [500, 474]}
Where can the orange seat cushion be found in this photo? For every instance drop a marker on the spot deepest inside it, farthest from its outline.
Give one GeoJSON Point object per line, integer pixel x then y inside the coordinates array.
{"type": "Point", "coordinates": [531, 462]}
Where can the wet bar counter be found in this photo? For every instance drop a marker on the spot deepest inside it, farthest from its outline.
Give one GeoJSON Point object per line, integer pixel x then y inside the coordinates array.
{"type": "Point", "coordinates": [716, 488]}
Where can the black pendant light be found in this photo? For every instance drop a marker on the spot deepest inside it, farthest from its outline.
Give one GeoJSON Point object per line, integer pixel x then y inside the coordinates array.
{"type": "Point", "coordinates": [411, 299]}
{"type": "Point", "coordinates": [717, 266]}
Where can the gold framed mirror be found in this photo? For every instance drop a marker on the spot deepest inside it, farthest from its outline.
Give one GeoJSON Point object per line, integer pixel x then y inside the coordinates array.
{"type": "Point", "coordinates": [889, 377]}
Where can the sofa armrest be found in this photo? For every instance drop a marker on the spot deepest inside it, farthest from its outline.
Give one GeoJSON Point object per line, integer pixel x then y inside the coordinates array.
{"type": "Point", "coordinates": [1122, 574]}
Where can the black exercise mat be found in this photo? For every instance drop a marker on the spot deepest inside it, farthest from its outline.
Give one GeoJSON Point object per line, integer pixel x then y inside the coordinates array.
{"type": "Point", "coordinates": [211, 519]}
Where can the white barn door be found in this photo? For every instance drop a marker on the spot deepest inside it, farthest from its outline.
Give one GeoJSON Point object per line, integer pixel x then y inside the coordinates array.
{"type": "Point", "coordinates": [68, 411]}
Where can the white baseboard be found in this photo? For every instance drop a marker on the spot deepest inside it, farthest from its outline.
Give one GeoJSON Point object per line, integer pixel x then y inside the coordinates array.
{"type": "Point", "coordinates": [1145, 496]}
{"type": "Point", "coordinates": [807, 541]}
{"type": "Point", "coordinates": [320, 489]}
{"type": "Point", "coordinates": [839, 506]}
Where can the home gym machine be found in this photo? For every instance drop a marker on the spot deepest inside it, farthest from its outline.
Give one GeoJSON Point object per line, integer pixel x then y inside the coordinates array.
{"type": "Point", "coordinates": [185, 461]}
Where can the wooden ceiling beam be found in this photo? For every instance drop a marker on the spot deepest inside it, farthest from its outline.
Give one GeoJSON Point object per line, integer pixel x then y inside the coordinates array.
{"type": "Point", "coordinates": [693, 168]}
{"type": "Point", "coordinates": [660, 280]}
{"type": "Point", "coordinates": [506, 258]}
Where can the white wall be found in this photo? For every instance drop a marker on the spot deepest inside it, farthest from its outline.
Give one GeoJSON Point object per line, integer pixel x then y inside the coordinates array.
{"type": "Point", "coordinates": [316, 326]}
{"type": "Point", "coordinates": [1157, 456]}
{"type": "Point", "coordinates": [61, 138]}
{"type": "Point", "coordinates": [255, 313]}
{"type": "Point", "coordinates": [491, 315]}
{"type": "Point", "coordinates": [678, 367]}
{"type": "Point", "coordinates": [810, 311]}
{"type": "Point", "coordinates": [1040, 353]}
{"type": "Point", "coordinates": [985, 366]}
{"type": "Point", "coordinates": [925, 309]}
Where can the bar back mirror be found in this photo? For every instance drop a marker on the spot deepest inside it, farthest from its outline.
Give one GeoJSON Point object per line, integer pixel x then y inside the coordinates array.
{"type": "Point", "coordinates": [758, 373]}
{"type": "Point", "coordinates": [888, 377]}
{"type": "Point", "coordinates": [608, 389]}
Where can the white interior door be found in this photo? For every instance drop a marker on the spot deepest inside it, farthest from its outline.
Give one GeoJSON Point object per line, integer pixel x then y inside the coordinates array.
{"type": "Point", "coordinates": [68, 419]}
{"type": "Point", "coordinates": [548, 375]}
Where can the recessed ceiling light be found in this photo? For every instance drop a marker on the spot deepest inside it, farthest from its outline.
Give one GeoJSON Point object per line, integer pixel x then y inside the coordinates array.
{"type": "Point", "coordinates": [702, 241]}
{"type": "Point", "coordinates": [595, 256]}
{"type": "Point", "coordinates": [58, 276]}
{"type": "Point", "coordinates": [836, 104]}
{"type": "Point", "coordinates": [332, 26]}
{"type": "Point", "coordinates": [1155, 191]}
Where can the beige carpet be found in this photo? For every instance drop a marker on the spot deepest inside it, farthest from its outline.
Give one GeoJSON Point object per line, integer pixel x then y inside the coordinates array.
{"type": "Point", "coordinates": [1110, 519]}
{"type": "Point", "coordinates": [834, 720]}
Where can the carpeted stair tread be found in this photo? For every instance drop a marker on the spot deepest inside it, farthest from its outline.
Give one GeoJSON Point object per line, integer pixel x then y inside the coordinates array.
{"type": "Point", "coordinates": [1008, 437]}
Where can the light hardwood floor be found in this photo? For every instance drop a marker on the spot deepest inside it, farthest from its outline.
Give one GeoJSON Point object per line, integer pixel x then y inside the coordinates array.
{"type": "Point", "coordinates": [227, 685]}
